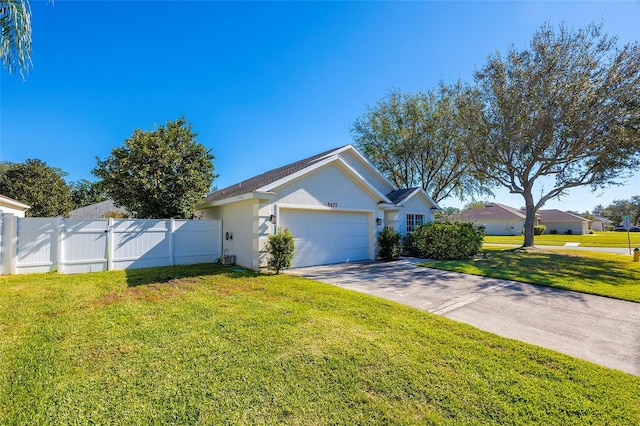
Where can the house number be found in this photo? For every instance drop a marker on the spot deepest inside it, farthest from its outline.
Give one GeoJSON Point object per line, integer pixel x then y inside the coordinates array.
{"type": "Point", "coordinates": [332, 204]}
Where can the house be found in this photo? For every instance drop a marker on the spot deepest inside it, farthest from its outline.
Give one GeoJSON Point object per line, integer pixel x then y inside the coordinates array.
{"type": "Point", "coordinates": [561, 222]}
{"type": "Point", "coordinates": [600, 223]}
{"type": "Point", "coordinates": [496, 218]}
{"type": "Point", "coordinates": [98, 211]}
{"type": "Point", "coordinates": [9, 205]}
{"type": "Point", "coordinates": [334, 203]}
{"type": "Point", "coordinates": [499, 219]}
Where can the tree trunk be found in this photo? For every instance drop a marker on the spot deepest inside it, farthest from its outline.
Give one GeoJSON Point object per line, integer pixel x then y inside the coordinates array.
{"type": "Point", "coordinates": [529, 221]}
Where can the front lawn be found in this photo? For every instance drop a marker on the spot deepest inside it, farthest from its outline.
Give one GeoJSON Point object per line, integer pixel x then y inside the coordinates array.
{"type": "Point", "coordinates": [212, 345]}
{"type": "Point", "coordinates": [603, 274]}
{"type": "Point", "coordinates": [597, 239]}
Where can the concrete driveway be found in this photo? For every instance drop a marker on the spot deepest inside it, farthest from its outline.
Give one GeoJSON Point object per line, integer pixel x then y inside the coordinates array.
{"type": "Point", "coordinates": [597, 329]}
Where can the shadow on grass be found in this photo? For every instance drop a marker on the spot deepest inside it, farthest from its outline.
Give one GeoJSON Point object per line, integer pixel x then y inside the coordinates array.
{"type": "Point", "coordinates": [546, 269]}
{"type": "Point", "coordinates": [164, 274]}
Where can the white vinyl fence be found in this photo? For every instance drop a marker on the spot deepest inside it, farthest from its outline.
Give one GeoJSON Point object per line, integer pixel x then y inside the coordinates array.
{"type": "Point", "coordinates": [71, 246]}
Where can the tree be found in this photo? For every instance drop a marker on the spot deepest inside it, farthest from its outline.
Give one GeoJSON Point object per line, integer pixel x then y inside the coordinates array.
{"type": "Point", "coordinates": [38, 185]}
{"type": "Point", "coordinates": [84, 193]}
{"type": "Point", "coordinates": [620, 208]}
{"type": "Point", "coordinates": [15, 35]}
{"type": "Point", "coordinates": [162, 173]}
{"type": "Point", "coordinates": [563, 113]}
{"type": "Point", "coordinates": [415, 140]}
{"type": "Point", "coordinates": [474, 205]}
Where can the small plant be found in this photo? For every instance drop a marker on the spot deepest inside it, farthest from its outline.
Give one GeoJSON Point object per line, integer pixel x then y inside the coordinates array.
{"type": "Point", "coordinates": [539, 229]}
{"type": "Point", "coordinates": [553, 231]}
{"type": "Point", "coordinates": [389, 243]}
{"type": "Point", "coordinates": [280, 247]}
{"type": "Point", "coordinates": [591, 232]}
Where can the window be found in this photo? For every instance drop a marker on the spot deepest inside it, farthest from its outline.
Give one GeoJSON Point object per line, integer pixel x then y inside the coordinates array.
{"type": "Point", "coordinates": [414, 220]}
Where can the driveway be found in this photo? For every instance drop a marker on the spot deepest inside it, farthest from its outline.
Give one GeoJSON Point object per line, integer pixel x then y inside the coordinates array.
{"type": "Point", "coordinates": [597, 329]}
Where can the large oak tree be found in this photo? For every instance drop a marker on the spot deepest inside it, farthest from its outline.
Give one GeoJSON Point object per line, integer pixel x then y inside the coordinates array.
{"type": "Point", "coordinates": [158, 174]}
{"type": "Point", "coordinates": [563, 113]}
{"type": "Point", "coordinates": [416, 140]}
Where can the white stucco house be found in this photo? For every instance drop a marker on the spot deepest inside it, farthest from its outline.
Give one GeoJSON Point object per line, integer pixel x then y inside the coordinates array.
{"type": "Point", "coordinates": [496, 218]}
{"type": "Point", "coordinates": [14, 207]}
{"type": "Point", "coordinates": [499, 219]}
{"type": "Point", "coordinates": [334, 203]}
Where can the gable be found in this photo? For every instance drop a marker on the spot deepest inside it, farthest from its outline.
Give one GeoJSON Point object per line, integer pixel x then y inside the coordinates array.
{"type": "Point", "coordinates": [332, 185]}
{"type": "Point", "coordinates": [265, 182]}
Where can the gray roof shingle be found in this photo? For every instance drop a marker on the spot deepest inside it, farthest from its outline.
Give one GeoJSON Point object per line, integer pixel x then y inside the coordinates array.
{"type": "Point", "coordinates": [252, 184]}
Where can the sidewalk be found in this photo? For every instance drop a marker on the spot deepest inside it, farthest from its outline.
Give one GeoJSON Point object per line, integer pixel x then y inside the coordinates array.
{"type": "Point", "coordinates": [618, 250]}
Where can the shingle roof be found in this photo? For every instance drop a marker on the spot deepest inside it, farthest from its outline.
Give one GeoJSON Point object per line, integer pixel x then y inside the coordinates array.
{"type": "Point", "coordinates": [95, 211]}
{"type": "Point", "coordinates": [491, 211]}
{"type": "Point", "coordinates": [554, 215]}
{"type": "Point", "coordinates": [400, 194]}
{"type": "Point", "coordinates": [252, 184]}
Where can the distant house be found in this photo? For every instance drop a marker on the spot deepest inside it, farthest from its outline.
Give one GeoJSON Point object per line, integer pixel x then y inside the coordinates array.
{"type": "Point", "coordinates": [97, 211]}
{"type": "Point", "coordinates": [499, 219]}
{"type": "Point", "coordinates": [14, 207]}
{"type": "Point", "coordinates": [496, 218]}
{"type": "Point", "coordinates": [599, 223]}
{"type": "Point", "coordinates": [561, 222]}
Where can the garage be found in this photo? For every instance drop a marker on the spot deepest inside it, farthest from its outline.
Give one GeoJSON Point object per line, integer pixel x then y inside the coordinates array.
{"type": "Point", "coordinates": [324, 237]}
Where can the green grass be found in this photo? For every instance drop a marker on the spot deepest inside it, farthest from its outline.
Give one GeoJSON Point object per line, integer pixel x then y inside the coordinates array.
{"type": "Point", "coordinates": [207, 345]}
{"type": "Point", "coordinates": [603, 274]}
{"type": "Point", "coordinates": [598, 239]}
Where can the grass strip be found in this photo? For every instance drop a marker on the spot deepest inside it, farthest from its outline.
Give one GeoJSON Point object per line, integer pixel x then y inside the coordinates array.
{"type": "Point", "coordinates": [602, 274]}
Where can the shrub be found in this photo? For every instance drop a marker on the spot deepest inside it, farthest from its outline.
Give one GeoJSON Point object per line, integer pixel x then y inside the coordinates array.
{"type": "Point", "coordinates": [568, 232]}
{"type": "Point", "coordinates": [553, 231]}
{"type": "Point", "coordinates": [591, 232]}
{"type": "Point", "coordinates": [409, 246]}
{"type": "Point", "coordinates": [280, 248]}
{"type": "Point", "coordinates": [389, 243]}
{"type": "Point", "coordinates": [447, 240]}
{"type": "Point", "coordinates": [539, 229]}
{"type": "Point", "coordinates": [609, 228]}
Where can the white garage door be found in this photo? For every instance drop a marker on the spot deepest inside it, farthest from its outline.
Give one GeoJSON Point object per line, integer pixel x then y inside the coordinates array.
{"type": "Point", "coordinates": [327, 237]}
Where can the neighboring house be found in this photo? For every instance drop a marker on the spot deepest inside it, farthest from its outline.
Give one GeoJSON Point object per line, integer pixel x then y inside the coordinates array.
{"type": "Point", "coordinates": [14, 207]}
{"type": "Point", "coordinates": [561, 222]}
{"type": "Point", "coordinates": [334, 203]}
{"type": "Point", "coordinates": [599, 223]}
{"type": "Point", "coordinates": [499, 219]}
{"type": "Point", "coordinates": [496, 218]}
{"type": "Point", "coordinates": [97, 211]}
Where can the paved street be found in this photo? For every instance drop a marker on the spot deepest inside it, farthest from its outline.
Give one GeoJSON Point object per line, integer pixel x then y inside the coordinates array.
{"type": "Point", "coordinates": [598, 329]}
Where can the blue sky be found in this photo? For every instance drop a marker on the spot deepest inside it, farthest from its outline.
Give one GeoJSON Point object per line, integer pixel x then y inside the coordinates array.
{"type": "Point", "coordinates": [263, 83]}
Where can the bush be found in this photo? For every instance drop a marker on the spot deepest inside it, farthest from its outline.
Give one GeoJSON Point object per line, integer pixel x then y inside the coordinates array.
{"type": "Point", "coordinates": [280, 249]}
{"type": "Point", "coordinates": [609, 228]}
{"type": "Point", "coordinates": [553, 231]}
{"type": "Point", "coordinates": [591, 232]}
{"type": "Point", "coordinates": [568, 232]}
{"type": "Point", "coordinates": [539, 229]}
{"type": "Point", "coordinates": [389, 243]}
{"type": "Point", "coordinates": [409, 246]}
{"type": "Point", "coordinates": [446, 240]}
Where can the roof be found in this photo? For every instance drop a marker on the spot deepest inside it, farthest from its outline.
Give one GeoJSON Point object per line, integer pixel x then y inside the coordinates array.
{"type": "Point", "coordinates": [256, 182]}
{"type": "Point", "coordinates": [554, 215]}
{"type": "Point", "coordinates": [399, 195]}
{"type": "Point", "coordinates": [601, 219]}
{"type": "Point", "coordinates": [13, 203]}
{"type": "Point", "coordinates": [95, 211]}
{"type": "Point", "coordinates": [491, 211]}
